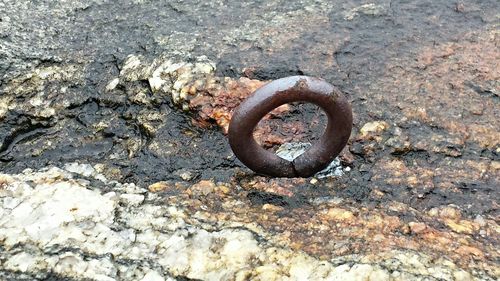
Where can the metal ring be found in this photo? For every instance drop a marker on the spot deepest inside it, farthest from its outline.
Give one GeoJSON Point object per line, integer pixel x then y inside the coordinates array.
{"type": "Point", "coordinates": [279, 92]}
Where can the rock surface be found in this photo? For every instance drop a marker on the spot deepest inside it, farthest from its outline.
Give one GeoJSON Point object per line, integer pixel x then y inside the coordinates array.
{"type": "Point", "coordinates": [115, 164]}
{"type": "Point", "coordinates": [74, 223]}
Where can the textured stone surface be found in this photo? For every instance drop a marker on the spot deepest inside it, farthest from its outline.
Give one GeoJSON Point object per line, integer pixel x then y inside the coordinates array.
{"type": "Point", "coordinates": [74, 223]}
{"type": "Point", "coordinates": [140, 93]}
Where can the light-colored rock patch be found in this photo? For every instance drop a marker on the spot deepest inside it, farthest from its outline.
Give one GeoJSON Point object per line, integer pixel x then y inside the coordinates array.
{"type": "Point", "coordinates": [54, 220]}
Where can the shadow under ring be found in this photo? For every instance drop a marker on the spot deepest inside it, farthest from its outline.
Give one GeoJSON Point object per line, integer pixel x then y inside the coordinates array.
{"type": "Point", "coordinates": [286, 90]}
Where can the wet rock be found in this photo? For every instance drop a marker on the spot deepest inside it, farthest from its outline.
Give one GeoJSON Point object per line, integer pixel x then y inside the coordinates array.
{"type": "Point", "coordinates": [375, 127]}
{"type": "Point", "coordinates": [450, 146]}
{"type": "Point", "coordinates": [399, 142]}
{"type": "Point", "coordinates": [193, 86]}
{"type": "Point", "coordinates": [46, 91]}
{"type": "Point", "coordinates": [185, 175]}
{"type": "Point", "coordinates": [180, 80]}
{"type": "Point", "coordinates": [290, 151]}
{"type": "Point", "coordinates": [153, 108]}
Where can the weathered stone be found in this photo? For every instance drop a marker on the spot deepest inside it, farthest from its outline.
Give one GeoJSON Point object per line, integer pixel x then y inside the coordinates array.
{"type": "Point", "coordinates": [417, 227]}
{"type": "Point", "coordinates": [374, 127]}
{"type": "Point", "coordinates": [139, 102]}
{"type": "Point", "coordinates": [339, 214]}
{"type": "Point", "coordinates": [462, 226]}
{"type": "Point", "coordinates": [203, 187]}
{"type": "Point", "coordinates": [132, 230]}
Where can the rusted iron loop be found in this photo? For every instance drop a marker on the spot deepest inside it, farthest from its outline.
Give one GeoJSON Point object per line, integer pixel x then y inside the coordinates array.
{"type": "Point", "coordinates": [279, 92]}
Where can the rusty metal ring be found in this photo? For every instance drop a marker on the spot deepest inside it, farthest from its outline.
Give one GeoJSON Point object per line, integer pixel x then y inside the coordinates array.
{"type": "Point", "coordinates": [279, 92]}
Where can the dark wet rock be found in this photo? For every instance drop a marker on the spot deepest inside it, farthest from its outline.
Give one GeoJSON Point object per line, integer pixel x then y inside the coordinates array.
{"type": "Point", "coordinates": [143, 92]}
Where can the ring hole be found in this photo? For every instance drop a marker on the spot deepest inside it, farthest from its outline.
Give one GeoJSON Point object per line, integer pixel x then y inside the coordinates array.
{"type": "Point", "coordinates": [296, 122]}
